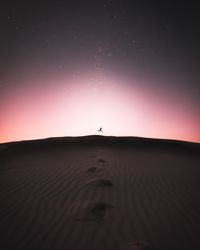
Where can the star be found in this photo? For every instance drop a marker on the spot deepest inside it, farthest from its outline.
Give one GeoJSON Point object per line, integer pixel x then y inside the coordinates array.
{"type": "Point", "coordinates": [99, 50]}
{"type": "Point", "coordinates": [11, 17]}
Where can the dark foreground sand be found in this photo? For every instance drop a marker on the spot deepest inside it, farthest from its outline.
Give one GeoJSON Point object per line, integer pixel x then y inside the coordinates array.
{"type": "Point", "coordinates": [99, 193]}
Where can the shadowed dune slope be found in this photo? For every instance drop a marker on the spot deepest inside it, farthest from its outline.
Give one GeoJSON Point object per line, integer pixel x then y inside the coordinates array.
{"type": "Point", "coordinates": [99, 193]}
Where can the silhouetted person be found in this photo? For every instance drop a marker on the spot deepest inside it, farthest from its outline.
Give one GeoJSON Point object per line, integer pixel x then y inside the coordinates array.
{"type": "Point", "coordinates": [100, 130]}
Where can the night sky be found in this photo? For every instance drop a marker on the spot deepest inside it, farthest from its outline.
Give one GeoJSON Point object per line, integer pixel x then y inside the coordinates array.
{"type": "Point", "coordinates": [69, 67]}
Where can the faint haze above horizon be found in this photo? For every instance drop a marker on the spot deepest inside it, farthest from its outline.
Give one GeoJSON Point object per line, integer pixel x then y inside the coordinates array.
{"type": "Point", "coordinates": [70, 67]}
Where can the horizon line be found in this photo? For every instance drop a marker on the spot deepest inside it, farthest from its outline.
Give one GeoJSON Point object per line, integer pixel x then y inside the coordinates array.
{"type": "Point", "coordinates": [96, 135]}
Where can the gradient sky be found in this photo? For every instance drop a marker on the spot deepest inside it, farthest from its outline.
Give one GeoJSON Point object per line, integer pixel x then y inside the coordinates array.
{"type": "Point", "coordinates": [69, 67]}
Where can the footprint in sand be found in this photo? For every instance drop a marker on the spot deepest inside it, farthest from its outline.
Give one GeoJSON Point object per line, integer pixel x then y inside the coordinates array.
{"type": "Point", "coordinates": [101, 161]}
{"type": "Point", "coordinates": [100, 183]}
{"type": "Point", "coordinates": [93, 169]}
{"type": "Point", "coordinates": [140, 246]}
{"type": "Point", "coordinates": [89, 211]}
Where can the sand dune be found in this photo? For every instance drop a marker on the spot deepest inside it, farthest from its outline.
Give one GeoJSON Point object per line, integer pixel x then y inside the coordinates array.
{"type": "Point", "coordinates": [99, 193]}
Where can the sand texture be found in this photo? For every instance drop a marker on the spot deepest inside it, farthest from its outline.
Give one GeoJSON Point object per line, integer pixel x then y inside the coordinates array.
{"type": "Point", "coordinates": [97, 193]}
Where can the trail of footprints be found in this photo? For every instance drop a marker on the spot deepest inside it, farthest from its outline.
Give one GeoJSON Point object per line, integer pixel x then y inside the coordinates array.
{"type": "Point", "coordinates": [96, 211]}
{"type": "Point", "coordinates": [93, 210]}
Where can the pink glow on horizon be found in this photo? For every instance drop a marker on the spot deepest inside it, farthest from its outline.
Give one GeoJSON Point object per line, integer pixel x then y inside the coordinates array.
{"type": "Point", "coordinates": [79, 105]}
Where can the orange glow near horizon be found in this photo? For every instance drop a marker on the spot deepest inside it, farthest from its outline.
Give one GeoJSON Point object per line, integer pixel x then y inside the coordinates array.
{"type": "Point", "coordinates": [79, 105]}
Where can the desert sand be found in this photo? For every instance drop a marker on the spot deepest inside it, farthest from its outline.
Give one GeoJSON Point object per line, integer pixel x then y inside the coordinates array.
{"type": "Point", "coordinates": [99, 193]}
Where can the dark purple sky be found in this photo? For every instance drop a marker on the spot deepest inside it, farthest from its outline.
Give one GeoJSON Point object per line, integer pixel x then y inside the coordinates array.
{"type": "Point", "coordinates": [60, 58]}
